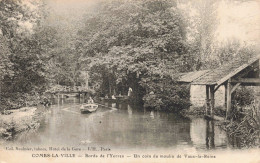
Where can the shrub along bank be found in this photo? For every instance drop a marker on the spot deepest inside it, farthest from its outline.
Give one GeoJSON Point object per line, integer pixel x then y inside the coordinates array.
{"type": "Point", "coordinates": [244, 120]}
{"type": "Point", "coordinates": [18, 121]}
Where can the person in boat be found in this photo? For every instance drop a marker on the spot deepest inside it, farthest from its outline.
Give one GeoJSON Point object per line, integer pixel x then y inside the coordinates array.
{"type": "Point", "coordinates": [90, 101]}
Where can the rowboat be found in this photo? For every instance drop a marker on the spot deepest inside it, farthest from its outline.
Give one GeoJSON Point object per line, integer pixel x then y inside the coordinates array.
{"type": "Point", "coordinates": [88, 108]}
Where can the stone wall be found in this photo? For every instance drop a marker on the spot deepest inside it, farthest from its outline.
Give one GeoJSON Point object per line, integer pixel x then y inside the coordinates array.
{"type": "Point", "coordinates": [198, 96]}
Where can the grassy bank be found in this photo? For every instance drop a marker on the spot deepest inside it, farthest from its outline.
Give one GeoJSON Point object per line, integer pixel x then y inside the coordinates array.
{"type": "Point", "coordinates": [15, 122]}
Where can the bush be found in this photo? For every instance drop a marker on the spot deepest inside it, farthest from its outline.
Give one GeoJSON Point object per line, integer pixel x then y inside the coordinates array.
{"type": "Point", "coordinates": [245, 119]}
{"type": "Point", "coordinates": [243, 96]}
{"type": "Point", "coordinates": [247, 127]}
{"type": "Point", "coordinates": [165, 94]}
{"type": "Point", "coordinates": [18, 100]}
{"type": "Point", "coordinates": [12, 101]}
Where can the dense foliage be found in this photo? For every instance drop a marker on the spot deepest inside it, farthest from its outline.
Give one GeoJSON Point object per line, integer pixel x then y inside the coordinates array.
{"type": "Point", "coordinates": [115, 46]}
{"type": "Point", "coordinates": [165, 94]}
{"type": "Point", "coordinates": [137, 42]}
{"type": "Point", "coordinates": [25, 53]}
{"type": "Point", "coordinates": [243, 96]}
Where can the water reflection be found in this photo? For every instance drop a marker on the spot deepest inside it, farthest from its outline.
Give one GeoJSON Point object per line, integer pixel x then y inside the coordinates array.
{"type": "Point", "coordinates": [234, 142]}
{"type": "Point", "coordinates": [152, 114]}
{"type": "Point", "coordinates": [205, 134]}
{"type": "Point", "coordinates": [210, 134]}
{"type": "Point", "coordinates": [130, 111]}
{"type": "Point", "coordinates": [124, 127]}
{"type": "Point", "coordinates": [113, 105]}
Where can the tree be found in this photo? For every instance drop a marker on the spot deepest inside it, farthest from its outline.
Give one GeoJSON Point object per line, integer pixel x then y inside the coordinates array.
{"type": "Point", "coordinates": [202, 23]}
{"type": "Point", "coordinates": [134, 40]}
{"type": "Point", "coordinates": [206, 51]}
{"type": "Point", "coordinates": [26, 46]}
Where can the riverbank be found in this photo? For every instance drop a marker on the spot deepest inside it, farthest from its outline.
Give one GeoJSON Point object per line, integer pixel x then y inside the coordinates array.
{"type": "Point", "coordinates": [17, 121]}
{"type": "Point", "coordinates": [242, 125]}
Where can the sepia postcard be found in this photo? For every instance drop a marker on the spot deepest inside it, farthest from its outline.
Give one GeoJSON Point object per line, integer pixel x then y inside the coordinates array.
{"type": "Point", "coordinates": [129, 81]}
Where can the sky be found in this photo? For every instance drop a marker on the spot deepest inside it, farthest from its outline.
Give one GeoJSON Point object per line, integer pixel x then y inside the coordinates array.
{"type": "Point", "coordinates": [68, 10]}
{"type": "Point", "coordinates": [236, 20]}
{"type": "Point", "coordinates": [240, 20]}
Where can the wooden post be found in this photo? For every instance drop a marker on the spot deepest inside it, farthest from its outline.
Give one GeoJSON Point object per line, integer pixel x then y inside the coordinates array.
{"type": "Point", "coordinates": [225, 105]}
{"type": "Point", "coordinates": [212, 134]}
{"type": "Point", "coordinates": [228, 97]}
{"type": "Point", "coordinates": [207, 99]}
{"type": "Point", "coordinates": [207, 134]}
{"type": "Point", "coordinates": [212, 100]}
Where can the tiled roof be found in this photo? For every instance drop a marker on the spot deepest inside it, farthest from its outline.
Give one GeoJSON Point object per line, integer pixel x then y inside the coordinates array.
{"type": "Point", "coordinates": [191, 76]}
{"type": "Point", "coordinates": [219, 75]}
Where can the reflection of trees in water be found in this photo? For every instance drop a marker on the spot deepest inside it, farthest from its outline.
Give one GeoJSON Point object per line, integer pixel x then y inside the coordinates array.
{"type": "Point", "coordinates": [130, 111]}
{"type": "Point", "coordinates": [231, 141]}
{"type": "Point", "coordinates": [234, 142]}
{"type": "Point", "coordinates": [130, 127]}
{"type": "Point", "coordinates": [205, 134]}
{"type": "Point", "coordinates": [113, 105]}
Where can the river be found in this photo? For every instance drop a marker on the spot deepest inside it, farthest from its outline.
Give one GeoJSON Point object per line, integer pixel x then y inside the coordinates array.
{"type": "Point", "coordinates": [123, 126]}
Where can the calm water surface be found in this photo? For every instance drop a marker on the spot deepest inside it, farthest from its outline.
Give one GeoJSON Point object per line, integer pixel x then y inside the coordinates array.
{"type": "Point", "coordinates": [123, 126]}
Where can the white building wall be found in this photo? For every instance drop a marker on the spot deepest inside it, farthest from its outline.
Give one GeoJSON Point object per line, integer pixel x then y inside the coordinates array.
{"type": "Point", "coordinates": [198, 96]}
